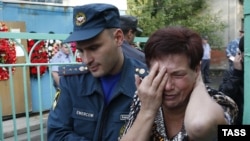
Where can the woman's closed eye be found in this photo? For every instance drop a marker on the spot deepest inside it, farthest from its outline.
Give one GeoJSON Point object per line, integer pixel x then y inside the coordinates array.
{"type": "Point", "coordinates": [178, 75]}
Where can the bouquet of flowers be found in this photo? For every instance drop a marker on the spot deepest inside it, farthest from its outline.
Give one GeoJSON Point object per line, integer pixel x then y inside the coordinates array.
{"type": "Point", "coordinates": [38, 55]}
{"type": "Point", "coordinates": [52, 47]}
{"type": "Point", "coordinates": [7, 53]}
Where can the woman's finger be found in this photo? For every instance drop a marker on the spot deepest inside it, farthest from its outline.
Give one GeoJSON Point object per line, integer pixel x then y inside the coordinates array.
{"type": "Point", "coordinates": [152, 73]}
{"type": "Point", "coordinates": [137, 81]}
{"type": "Point", "coordinates": [159, 78]}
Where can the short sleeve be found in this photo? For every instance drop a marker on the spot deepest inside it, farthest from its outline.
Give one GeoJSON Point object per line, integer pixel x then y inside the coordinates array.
{"type": "Point", "coordinates": [54, 60]}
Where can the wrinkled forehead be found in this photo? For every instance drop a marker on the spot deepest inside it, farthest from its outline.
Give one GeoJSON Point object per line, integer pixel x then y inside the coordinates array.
{"type": "Point", "coordinates": [171, 61]}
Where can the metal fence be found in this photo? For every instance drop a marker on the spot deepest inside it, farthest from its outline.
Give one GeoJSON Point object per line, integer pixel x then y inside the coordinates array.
{"type": "Point", "coordinates": [36, 95]}
{"type": "Point", "coordinates": [29, 123]}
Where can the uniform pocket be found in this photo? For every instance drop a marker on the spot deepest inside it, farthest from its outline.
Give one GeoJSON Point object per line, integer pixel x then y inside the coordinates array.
{"type": "Point", "coordinates": [84, 122]}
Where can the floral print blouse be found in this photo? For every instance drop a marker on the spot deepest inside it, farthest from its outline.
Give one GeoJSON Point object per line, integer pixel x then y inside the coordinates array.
{"type": "Point", "coordinates": [159, 130]}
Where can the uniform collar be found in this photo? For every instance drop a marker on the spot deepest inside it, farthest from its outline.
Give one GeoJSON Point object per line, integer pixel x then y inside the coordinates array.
{"type": "Point", "coordinates": [124, 84]}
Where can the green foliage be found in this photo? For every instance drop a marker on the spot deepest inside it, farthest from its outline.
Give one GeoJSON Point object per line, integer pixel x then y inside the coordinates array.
{"type": "Point", "coordinates": [195, 14]}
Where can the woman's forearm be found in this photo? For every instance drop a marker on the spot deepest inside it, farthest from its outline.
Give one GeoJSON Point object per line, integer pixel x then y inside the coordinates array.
{"type": "Point", "coordinates": [141, 128]}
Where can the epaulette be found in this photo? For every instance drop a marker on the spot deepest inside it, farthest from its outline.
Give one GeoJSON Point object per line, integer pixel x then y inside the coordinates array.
{"type": "Point", "coordinates": [141, 71]}
{"type": "Point", "coordinates": [72, 69]}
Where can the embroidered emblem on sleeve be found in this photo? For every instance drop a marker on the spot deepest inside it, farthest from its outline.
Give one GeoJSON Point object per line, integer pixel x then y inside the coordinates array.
{"type": "Point", "coordinates": [56, 99]}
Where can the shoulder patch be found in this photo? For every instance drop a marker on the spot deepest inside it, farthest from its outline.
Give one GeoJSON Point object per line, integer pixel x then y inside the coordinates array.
{"type": "Point", "coordinates": [56, 99]}
{"type": "Point", "coordinates": [72, 69]}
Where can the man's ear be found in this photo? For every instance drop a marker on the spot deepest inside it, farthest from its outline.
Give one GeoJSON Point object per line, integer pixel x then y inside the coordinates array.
{"type": "Point", "coordinates": [119, 37]}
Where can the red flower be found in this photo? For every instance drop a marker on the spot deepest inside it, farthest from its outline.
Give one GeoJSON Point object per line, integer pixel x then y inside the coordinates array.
{"type": "Point", "coordinates": [39, 55]}
{"type": "Point", "coordinates": [7, 53]}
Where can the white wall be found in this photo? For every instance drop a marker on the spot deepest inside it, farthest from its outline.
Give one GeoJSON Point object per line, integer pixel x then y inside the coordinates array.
{"type": "Point", "coordinates": [231, 14]}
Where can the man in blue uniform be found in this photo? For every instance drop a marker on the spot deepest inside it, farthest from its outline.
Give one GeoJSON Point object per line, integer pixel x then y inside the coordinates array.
{"type": "Point", "coordinates": [232, 49]}
{"type": "Point", "coordinates": [129, 29]}
{"type": "Point", "coordinates": [233, 81]}
{"type": "Point", "coordinates": [62, 56]}
{"type": "Point", "coordinates": [95, 98]}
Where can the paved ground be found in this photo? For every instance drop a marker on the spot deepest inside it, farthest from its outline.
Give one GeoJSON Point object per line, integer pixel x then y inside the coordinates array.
{"type": "Point", "coordinates": [35, 122]}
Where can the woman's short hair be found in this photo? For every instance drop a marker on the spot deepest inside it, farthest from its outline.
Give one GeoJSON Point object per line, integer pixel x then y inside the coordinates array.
{"type": "Point", "coordinates": [174, 40]}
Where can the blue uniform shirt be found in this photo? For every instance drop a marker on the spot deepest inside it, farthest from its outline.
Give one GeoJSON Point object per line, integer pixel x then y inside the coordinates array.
{"type": "Point", "coordinates": [80, 112]}
{"type": "Point", "coordinates": [60, 57]}
{"type": "Point", "coordinates": [232, 47]}
{"type": "Point", "coordinates": [132, 52]}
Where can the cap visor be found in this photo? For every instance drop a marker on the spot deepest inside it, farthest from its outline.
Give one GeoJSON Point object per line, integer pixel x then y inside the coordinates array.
{"type": "Point", "coordinates": [139, 29]}
{"type": "Point", "coordinates": [83, 35]}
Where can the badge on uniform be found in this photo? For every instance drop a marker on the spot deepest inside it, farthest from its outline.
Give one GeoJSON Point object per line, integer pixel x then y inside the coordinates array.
{"type": "Point", "coordinates": [80, 18]}
{"type": "Point", "coordinates": [141, 72]}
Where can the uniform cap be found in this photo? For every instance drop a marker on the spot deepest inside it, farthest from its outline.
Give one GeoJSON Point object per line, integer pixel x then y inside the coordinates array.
{"type": "Point", "coordinates": [128, 21]}
{"type": "Point", "coordinates": [91, 19]}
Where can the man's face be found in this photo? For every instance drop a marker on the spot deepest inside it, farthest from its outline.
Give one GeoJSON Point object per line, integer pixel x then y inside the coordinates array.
{"type": "Point", "coordinates": [181, 80]}
{"type": "Point", "coordinates": [204, 41]}
{"type": "Point", "coordinates": [65, 49]}
{"type": "Point", "coordinates": [102, 54]}
{"type": "Point", "coordinates": [133, 33]}
{"type": "Point", "coordinates": [241, 34]}
{"type": "Point", "coordinates": [241, 57]}
{"type": "Point", "coordinates": [130, 36]}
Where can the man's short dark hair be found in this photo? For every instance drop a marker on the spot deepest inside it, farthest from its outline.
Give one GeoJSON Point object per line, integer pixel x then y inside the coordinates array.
{"type": "Point", "coordinates": [241, 44]}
